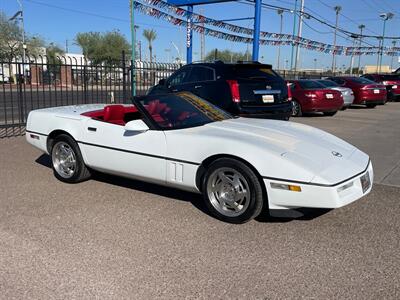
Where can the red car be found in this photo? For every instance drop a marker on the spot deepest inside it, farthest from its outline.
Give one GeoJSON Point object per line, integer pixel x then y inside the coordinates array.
{"type": "Point", "coordinates": [390, 81]}
{"type": "Point", "coordinates": [311, 96]}
{"type": "Point", "coordinates": [366, 92]}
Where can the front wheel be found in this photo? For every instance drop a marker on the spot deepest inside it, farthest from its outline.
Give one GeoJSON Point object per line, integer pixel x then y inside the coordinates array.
{"type": "Point", "coordinates": [67, 161]}
{"type": "Point", "coordinates": [330, 113]}
{"type": "Point", "coordinates": [232, 191]}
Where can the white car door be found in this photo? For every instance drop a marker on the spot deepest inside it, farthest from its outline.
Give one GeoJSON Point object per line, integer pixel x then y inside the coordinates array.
{"type": "Point", "coordinates": [108, 147]}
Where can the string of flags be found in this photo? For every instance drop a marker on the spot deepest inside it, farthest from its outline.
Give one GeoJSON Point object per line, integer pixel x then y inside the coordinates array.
{"type": "Point", "coordinates": [147, 7]}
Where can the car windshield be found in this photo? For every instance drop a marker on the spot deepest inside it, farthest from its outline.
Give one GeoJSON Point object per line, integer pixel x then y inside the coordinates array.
{"type": "Point", "coordinates": [310, 84]}
{"type": "Point", "coordinates": [328, 83]}
{"type": "Point", "coordinates": [361, 80]}
{"type": "Point", "coordinates": [181, 110]}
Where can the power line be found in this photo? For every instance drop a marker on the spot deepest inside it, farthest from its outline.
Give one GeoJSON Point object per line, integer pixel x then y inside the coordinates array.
{"type": "Point", "coordinates": [93, 14]}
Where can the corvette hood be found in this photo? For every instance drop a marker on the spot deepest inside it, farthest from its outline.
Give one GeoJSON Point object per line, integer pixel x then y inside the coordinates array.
{"type": "Point", "coordinates": [327, 157]}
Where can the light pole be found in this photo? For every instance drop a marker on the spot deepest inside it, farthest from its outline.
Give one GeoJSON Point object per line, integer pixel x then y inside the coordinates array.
{"type": "Point", "coordinates": [19, 16]}
{"type": "Point", "coordinates": [361, 27]}
{"type": "Point", "coordinates": [278, 59]}
{"type": "Point", "coordinates": [315, 64]}
{"type": "Point", "coordinates": [384, 17]}
{"type": "Point", "coordinates": [337, 11]}
{"type": "Point", "coordinates": [391, 60]}
{"type": "Point", "coordinates": [293, 34]}
{"type": "Point", "coordinates": [355, 37]}
{"type": "Point", "coordinates": [299, 31]}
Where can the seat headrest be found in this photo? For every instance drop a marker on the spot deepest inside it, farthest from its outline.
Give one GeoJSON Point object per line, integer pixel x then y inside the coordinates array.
{"type": "Point", "coordinates": [114, 112]}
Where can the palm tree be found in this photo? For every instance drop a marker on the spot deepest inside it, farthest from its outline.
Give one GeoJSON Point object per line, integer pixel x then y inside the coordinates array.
{"type": "Point", "coordinates": [150, 35]}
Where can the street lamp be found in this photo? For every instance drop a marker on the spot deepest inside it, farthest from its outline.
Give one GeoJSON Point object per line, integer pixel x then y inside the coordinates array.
{"type": "Point", "coordinates": [337, 11]}
{"type": "Point", "coordinates": [384, 17]}
{"type": "Point", "coordinates": [280, 13]}
{"type": "Point", "coordinates": [315, 64]}
{"type": "Point", "coordinates": [361, 27]}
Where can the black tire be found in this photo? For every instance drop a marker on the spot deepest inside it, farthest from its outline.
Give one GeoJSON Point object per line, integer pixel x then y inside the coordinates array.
{"type": "Point", "coordinates": [255, 201]}
{"type": "Point", "coordinates": [370, 105]}
{"type": "Point", "coordinates": [344, 108]}
{"type": "Point", "coordinates": [296, 109]}
{"type": "Point", "coordinates": [81, 172]}
{"type": "Point", "coordinates": [330, 113]}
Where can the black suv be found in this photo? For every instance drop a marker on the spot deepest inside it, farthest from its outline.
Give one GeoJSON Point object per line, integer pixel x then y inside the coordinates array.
{"type": "Point", "coordinates": [245, 89]}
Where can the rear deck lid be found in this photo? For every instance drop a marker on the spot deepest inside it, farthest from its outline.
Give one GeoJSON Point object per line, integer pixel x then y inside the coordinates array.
{"type": "Point", "coordinates": [259, 85]}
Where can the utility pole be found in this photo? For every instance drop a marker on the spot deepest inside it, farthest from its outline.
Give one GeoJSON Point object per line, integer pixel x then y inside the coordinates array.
{"type": "Point", "coordinates": [354, 37]}
{"type": "Point", "coordinates": [23, 32]}
{"type": "Point", "coordinates": [337, 11]}
{"type": "Point", "coordinates": [133, 41]}
{"type": "Point", "coordinates": [278, 59]}
{"type": "Point", "coordinates": [296, 63]}
{"type": "Point", "coordinates": [293, 33]}
{"type": "Point", "coordinates": [361, 27]}
{"type": "Point", "coordinates": [66, 46]}
{"type": "Point", "coordinates": [384, 17]}
{"type": "Point", "coordinates": [391, 60]}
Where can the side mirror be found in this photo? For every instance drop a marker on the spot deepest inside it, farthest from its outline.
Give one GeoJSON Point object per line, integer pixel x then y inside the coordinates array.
{"type": "Point", "coordinates": [136, 125]}
{"type": "Point", "coordinates": [161, 82]}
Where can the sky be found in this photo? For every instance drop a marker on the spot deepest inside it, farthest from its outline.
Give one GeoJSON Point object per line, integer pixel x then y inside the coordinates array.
{"type": "Point", "coordinates": [62, 23]}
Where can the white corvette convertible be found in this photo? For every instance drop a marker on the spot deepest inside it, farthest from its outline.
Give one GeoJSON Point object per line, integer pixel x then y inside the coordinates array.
{"type": "Point", "coordinates": [240, 165]}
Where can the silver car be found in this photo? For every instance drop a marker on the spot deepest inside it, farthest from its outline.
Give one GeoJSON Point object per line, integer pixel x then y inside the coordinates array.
{"type": "Point", "coordinates": [347, 93]}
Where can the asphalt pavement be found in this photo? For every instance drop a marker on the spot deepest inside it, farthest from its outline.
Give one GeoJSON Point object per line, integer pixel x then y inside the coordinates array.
{"type": "Point", "coordinates": [113, 238]}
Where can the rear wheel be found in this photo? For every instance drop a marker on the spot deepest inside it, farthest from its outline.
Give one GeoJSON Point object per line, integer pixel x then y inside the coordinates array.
{"type": "Point", "coordinates": [232, 191]}
{"type": "Point", "coordinates": [67, 161]}
{"type": "Point", "coordinates": [369, 105]}
{"type": "Point", "coordinates": [296, 109]}
{"type": "Point", "coordinates": [330, 113]}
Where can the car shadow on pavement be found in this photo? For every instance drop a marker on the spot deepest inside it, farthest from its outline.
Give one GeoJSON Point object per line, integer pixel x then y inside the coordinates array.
{"type": "Point", "coordinates": [195, 199]}
{"type": "Point", "coordinates": [288, 215]}
{"type": "Point", "coordinates": [274, 216]}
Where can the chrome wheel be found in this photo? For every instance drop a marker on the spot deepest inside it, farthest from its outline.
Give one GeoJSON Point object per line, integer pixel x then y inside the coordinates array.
{"type": "Point", "coordinates": [228, 192]}
{"type": "Point", "coordinates": [64, 160]}
{"type": "Point", "coordinates": [296, 109]}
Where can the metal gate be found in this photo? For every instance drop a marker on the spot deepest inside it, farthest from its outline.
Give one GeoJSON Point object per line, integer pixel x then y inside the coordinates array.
{"type": "Point", "coordinates": [42, 81]}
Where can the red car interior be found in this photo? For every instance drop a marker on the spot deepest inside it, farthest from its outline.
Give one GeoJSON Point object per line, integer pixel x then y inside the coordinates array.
{"type": "Point", "coordinates": [115, 114]}
{"type": "Point", "coordinates": [120, 114]}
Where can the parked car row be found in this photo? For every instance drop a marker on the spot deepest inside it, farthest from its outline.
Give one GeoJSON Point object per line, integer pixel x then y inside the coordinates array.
{"type": "Point", "coordinates": [252, 89]}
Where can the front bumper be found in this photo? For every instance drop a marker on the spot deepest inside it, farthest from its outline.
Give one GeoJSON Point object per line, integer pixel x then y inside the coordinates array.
{"type": "Point", "coordinates": [318, 196]}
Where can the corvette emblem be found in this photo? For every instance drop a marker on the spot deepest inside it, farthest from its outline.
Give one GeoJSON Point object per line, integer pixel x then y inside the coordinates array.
{"type": "Point", "coordinates": [337, 154]}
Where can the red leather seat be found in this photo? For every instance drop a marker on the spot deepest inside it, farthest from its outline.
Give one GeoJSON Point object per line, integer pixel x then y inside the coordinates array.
{"type": "Point", "coordinates": [114, 114]}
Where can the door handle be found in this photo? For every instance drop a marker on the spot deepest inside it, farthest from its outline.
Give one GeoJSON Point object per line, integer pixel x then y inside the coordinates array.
{"type": "Point", "coordinates": [92, 129]}
{"type": "Point", "coordinates": [174, 90]}
{"type": "Point", "coordinates": [198, 86]}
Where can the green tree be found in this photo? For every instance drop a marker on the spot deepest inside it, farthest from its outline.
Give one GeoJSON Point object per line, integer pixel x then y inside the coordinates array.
{"type": "Point", "coordinates": [102, 48]}
{"type": "Point", "coordinates": [10, 38]}
{"type": "Point", "coordinates": [150, 35]}
{"type": "Point", "coordinates": [226, 55]}
{"type": "Point", "coordinates": [35, 46]}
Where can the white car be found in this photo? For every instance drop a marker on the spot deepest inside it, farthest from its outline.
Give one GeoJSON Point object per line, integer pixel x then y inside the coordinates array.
{"type": "Point", "coordinates": [240, 165]}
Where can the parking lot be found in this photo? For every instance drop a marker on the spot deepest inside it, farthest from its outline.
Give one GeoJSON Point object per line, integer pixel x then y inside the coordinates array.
{"type": "Point", "coordinates": [115, 238]}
